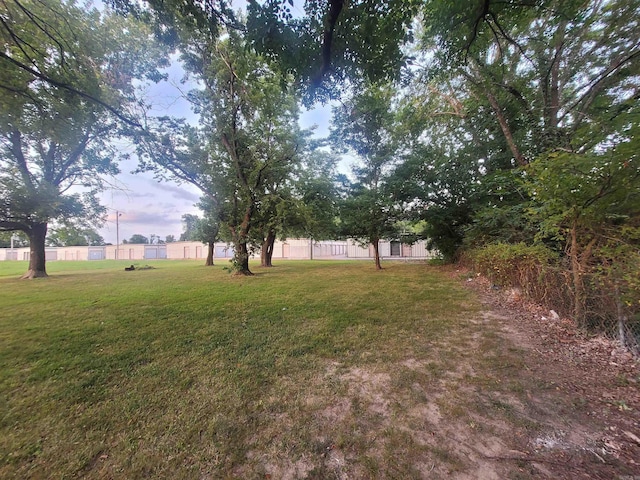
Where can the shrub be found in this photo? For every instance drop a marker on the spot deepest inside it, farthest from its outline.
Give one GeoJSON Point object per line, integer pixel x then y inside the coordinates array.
{"type": "Point", "coordinates": [535, 269]}
{"type": "Point", "coordinates": [612, 284]}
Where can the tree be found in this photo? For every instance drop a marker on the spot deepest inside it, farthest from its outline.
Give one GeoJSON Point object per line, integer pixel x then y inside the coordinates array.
{"type": "Point", "coordinates": [70, 235]}
{"type": "Point", "coordinates": [556, 84]}
{"type": "Point", "coordinates": [584, 202]}
{"type": "Point", "coordinates": [190, 225]}
{"type": "Point", "coordinates": [278, 208]}
{"type": "Point", "coordinates": [554, 76]}
{"type": "Point", "coordinates": [169, 239]}
{"type": "Point", "coordinates": [320, 50]}
{"type": "Point", "coordinates": [327, 46]}
{"type": "Point", "coordinates": [208, 228]}
{"type": "Point", "coordinates": [137, 238]}
{"type": "Point", "coordinates": [504, 83]}
{"type": "Point", "coordinates": [245, 141]}
{"type": "Point", "coordinates": [453, 157]}
{"type": "Point", "coordinates": [365, 125]}
{"type": "Point", "coordinates": [54, 141]}
{"type": "Point", "coordinates": [24, 59]}
{"type": "Point", "coordinates": [254, 135]}
{"type": "Point", "coordinates": [318, 197]}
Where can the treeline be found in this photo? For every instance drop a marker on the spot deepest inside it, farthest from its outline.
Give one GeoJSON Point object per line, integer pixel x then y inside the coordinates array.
{"type": "Point", "coordinates": [524, 151]}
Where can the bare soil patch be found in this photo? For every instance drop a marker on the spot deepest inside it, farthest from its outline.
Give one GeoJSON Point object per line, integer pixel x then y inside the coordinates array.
{"type": "Point", "coordinates": [513, 394]}
{"type": "Point", "coordinates": [580, 395]}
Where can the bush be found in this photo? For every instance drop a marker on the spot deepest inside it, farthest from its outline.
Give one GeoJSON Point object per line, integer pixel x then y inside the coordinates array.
{"type": "Point", "coordinates": [535, 270]}
{"type": "Point", "coordinates": [511, 264]}
{"type": "Point", "coordinates": [612, 284]}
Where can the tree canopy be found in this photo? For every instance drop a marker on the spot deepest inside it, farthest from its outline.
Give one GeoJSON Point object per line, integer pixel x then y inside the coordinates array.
{"type": "Point", "coordinates": [55, 142]}
{"type": "Point", "coordinates": [365, 125]}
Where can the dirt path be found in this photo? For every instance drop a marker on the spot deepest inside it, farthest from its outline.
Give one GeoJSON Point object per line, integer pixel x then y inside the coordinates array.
{"type": "Point", "coordinates": [572, 412]}
{"type": "Point", "coordinates": [502, 394]}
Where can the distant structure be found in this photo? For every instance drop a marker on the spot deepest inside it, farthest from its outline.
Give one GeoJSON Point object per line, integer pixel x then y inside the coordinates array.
{"type": "Point", "coordinates": [294, 249]}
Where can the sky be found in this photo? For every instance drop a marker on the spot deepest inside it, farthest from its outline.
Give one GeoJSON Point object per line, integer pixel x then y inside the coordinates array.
{"type": "Point", "coordinates": [146, 206]}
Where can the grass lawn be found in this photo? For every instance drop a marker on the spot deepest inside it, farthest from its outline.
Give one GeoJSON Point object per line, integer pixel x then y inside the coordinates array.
{"type": "Point", "coordinates": [306, 370]}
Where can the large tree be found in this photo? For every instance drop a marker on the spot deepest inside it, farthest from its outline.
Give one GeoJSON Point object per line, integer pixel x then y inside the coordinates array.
{"type": "Point", "coordinates": [247, 141]}
{"type": "Point", "coordinates": [555, 86]}
{"type": "Point", "coordinates": [504, 83]}
{"type": "Point", "coordinates": [335, 41]}
{"type": "Point", "coordinates": [253, 137]}
{"type": "Point", "coordinates": [317, 196]}
{"type": "Point", "coordinates": [365, 126]}
{"type": "Point", "coordinates": [53, 140]}
{"type": "Point", "coordinates": [207, 228]}
{"type": "Point", "coordinates": [330, 42]}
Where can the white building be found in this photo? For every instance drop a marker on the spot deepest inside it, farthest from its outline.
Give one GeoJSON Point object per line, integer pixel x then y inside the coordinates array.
{"type": "Point", "coordinates": [295, 249]}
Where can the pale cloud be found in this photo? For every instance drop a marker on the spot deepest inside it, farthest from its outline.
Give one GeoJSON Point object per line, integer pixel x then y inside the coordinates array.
{"type": "Point", "coordinates": [145, 218]}
{"type": "Point", "coordinates": [129, 194]}
{"type": "Point", "coordinates": [178, 192]}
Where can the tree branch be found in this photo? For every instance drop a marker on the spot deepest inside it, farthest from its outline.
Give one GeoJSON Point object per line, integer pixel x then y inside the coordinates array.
{"type": "Point", "coordinates": [69, 88]}
{"type": "Point", "coordinates": [21, 162]}
{"type": "Point", "coordinates": [585, 100]}
{"type": "Point", "coordinates": [11, 226]}
{"type": "Point", "coordinates": [335, 8]}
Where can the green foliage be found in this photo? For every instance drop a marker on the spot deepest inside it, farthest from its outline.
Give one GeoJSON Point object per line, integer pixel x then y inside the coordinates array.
{"type": "Point", "coordinates": [326, 46]}
{"type": "Point", "coordinates": [587, 192]}
{"type": "Point", "coordinates": [247, 147]}
{"type": "Point", "coordinates": [19, 239]}
{"type": "Point", "coordinates": [508, 223]}
{"type": "Point", "coordinates": [365, 126]}
{"type": "Point", "coordinates": [366, 217]}
{"type": "Point", "coordinates": [59, 76]}
{"type": "Point", "coordinates": [523, 128]}
{"type": "Point", "coordinates": [138, 238]}
{"type": "Point", "coordinates": [513, 264]}
{"type": "Point", "coordinates": [207, 229]}
{"type": "Point", "coordinates": [71, 235]}
{"type": "Point", "coordinates": [317, 191]}
{"type": "Point", "coordinates": [615, 276]}
{"type": "Point", "coordinates": [536, 271]}
{"type": "Point", "coordinates": [190, 226]}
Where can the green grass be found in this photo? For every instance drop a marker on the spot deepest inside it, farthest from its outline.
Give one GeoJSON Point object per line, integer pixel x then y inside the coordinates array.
{"type": "Point", "coordinates": [184, 371]}
{"type": "Point", "coordinates": [16, 269]}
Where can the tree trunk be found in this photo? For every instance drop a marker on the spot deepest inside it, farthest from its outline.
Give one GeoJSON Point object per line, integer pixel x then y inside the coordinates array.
{"type": "Point", "coordinates": [240, 235]}
{"type": "Point", "coordinates": [376, 253]}
{"type": "Point", "coordinates": [579, 264]}
{"type": "Point", "coordinates": [266, 253]}
{"type": "Point", "coordinates": [506, 130]}
{"type": "Point", "coordinates": [209, 261]}
{"type": "Point", "coordinates": [37, 235]}
{"type": "Point", "coordinates": [241, 259]}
